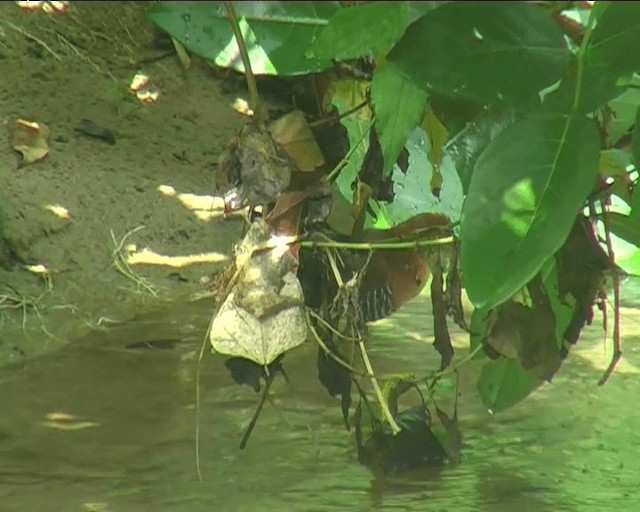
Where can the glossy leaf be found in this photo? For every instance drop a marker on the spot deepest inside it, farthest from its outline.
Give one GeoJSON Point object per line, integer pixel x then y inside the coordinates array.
{"type": "Point", "coordinates": [478, 331]}
{"type": "Point", "coordinates": [363, 30]}
{"type": "Point", "coordinates": [625, 227]}
{"type": "Point", "coordinates": [399, 106]}
{"type": "Point", "coordinates": [277, 34]}
{"type": "Point", "coordinates": [504, 383]}
{"type": "Point", "coordinates": [483, 50]}
{"type": "Point", "coordinates": [614, 40]}
{"type": "Point", "coordinates": [418, 9]}
{"type": "Point", "coordinates": [598, 86]}
{"type": "Point", "coordinates": [526, 189]}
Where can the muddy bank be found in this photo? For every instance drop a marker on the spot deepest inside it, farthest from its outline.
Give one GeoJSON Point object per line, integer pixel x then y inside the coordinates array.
{"type": "Point", "coordinates": [58, 71]}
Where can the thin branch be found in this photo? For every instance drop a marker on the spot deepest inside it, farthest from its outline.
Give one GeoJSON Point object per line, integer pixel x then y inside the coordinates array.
{"type": "Point", "coordinates": [383, 403]}
{"type": "Point", "coordinates": [35, 39]}
{"type": "Point", "coordinates": [336, 170]}
{"type": "Point", "coordinates": [617, 349]}
{"type": "Point", "coordinates": [251, 79]}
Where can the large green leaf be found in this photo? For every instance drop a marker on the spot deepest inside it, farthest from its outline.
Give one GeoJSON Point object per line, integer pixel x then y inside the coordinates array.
{"type": "Point", "coordinates": [614, 41]}
{"type": "Point", "coordinates": [483, 50]}
{"type": "Point", "coordinates": [626, 227]}
{"type": "Point", "coordinates": [598, 85]}
{"type": "Point", "coordinates": [359, 31]}
{"type": "Point", "coordinates": [525, 191]}
{"type": "Point", "coordinates": [504, 383]}
{"type": "Point", "coordinates": [277, 34]}
{"type": "Point", "coordinates": [399, 106]}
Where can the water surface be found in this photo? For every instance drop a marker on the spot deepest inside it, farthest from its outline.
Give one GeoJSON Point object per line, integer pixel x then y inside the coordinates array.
{"type": "Point", "coordinates": [99, 426]}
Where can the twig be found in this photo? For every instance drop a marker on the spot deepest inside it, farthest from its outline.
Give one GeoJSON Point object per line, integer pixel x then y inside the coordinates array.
{"type": "Point", "coordinates": [331, 354]}
{"type": "Point", "coordinates": [119, 262]}
{"type": "Point", "coordinates": [383, 403]}
{"type": "Point", "coordinates": [35, 39]}
{"type": "Point", "coordinates": [334, 118]}
{"type": "Point", "coordinates": [451, 369]}
{"type": "Point", "coordinates": [336, 170]}
{"type": "Point", "coordinates": [198, 365]}
{"type": "Point", "coordinates": [251, 79]}
{"type": "Point", "coordinates": [369, 246]}
{"type": "Point", "coordinates": [617, 349]}
{"type": "Point", "coordinates": [327, 325]}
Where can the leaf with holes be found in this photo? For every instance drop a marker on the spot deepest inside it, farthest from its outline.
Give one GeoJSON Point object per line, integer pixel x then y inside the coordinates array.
{"type": "Point", "coordinates": [399, 106]}
{"type": "Point", "coordinates": [526, 189]}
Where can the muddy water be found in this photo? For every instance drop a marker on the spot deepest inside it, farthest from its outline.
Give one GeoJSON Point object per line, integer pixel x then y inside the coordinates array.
{"type": "Point", "coordinates": [108, 425]}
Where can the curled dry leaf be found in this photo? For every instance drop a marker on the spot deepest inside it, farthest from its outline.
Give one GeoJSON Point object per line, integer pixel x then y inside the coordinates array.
{"type": "Point", "coordinates": [294, 134]}
{"type": "Point", "coordinates": [30, 139]}
{"type": "Point", "coordinates": [252, 170]}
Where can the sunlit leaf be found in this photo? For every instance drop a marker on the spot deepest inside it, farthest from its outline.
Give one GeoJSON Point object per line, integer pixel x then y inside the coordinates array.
{"type": "Point", "coordinates": [504, 383]}
{"type": "Point", "coordinates": [399, 106]}
{"type": "Point", "coordinates": [483, 50]}
{"type": "Point", "coordinates": [362, 30]}
{"type": "Point", "coordinates": [413, 188]}
{"type": "Point", "coordinates": [357, 128]}
{"type": "Point", "coordinates": [631, 263]}
{"type": "Point", "coordinates": [277, 34]}
{"type": "Point", "coordinates": [626, 227]}
{"type": "Point", "coordinates": [525, 192]}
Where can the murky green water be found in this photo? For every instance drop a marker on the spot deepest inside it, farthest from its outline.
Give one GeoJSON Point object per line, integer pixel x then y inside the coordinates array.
{"type": "Point", "coordinates": [100, 427]}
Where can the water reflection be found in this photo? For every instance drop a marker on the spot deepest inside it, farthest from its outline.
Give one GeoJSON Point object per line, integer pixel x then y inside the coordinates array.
{"type": "Point", "coordinates": [108, 424]}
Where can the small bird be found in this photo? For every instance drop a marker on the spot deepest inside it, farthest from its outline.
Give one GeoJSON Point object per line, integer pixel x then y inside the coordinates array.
{"type": "Point", "coordinates": [391, 277]}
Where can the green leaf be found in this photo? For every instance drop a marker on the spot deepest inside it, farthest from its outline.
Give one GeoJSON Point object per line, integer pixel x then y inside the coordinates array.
{"type": "Point", "coordinates": [483, 50]}
{"type": "Point", "coordinates": [598, 86]}
{"type": "Point", "coordinates": [503, 383]}
{"type": "Point", "coordinates": [399, 106]}
{"type": "Point", "coordinates": [635, 142]}
{"type": "Point", "coordinates": [277, 34]}
{"type": "Point", "coordinates": [614, 40]}
{"type": "Point", "coordinates": [478, 330]}
{"type": "Point", "coordinates": [357, 130]}
{"type": "Point", "coordinates": [525, 191]}
{"type": "Point", "coordinates": [363, 30]}
{"type": "Point", "coordinates": [631, 263]}
{"type": "Point", "coordinates": [625, 227]}
{"type": "Point", "coordinates": [625, 108]}
{"type": "Point", "coordinates": [413, 191]}
{"type": "Point", "coordinates": [562, 307]}
{"type": "Point", "coordinates": [419, 9]}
